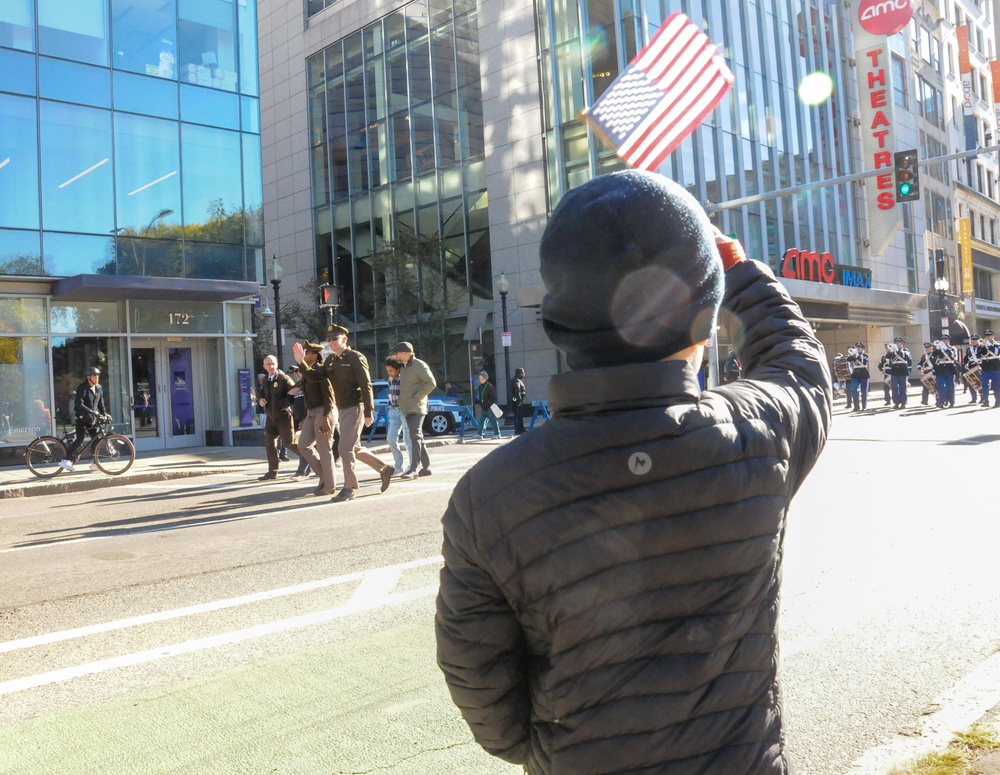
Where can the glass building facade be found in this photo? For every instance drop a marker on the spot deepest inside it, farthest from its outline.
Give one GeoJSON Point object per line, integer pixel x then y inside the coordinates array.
{"type": "Point", "coordinates": [398, 177]}
{"type": "Point", "coordinates": [764, 137]}
{"type": "Point", "coordinates": [129, 148]}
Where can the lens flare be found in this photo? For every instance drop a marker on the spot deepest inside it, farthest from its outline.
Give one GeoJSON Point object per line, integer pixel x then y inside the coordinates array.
{"type": "Point", "coordinates": [815, 88]}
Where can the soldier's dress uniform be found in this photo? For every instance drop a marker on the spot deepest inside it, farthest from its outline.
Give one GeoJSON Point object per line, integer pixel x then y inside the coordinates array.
{"type": "Point", "coordinates": [945, 360]}
{"type": "Point", "coordinates": [899, 371]}
{"type": "Point", "coordinates": [321, 418]}
{"type": "Point", "coordinates": [989, 353]}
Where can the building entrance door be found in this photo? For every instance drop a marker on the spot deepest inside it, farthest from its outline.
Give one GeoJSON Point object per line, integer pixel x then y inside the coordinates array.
{"type": "Point", "coordinates": [165, 401]}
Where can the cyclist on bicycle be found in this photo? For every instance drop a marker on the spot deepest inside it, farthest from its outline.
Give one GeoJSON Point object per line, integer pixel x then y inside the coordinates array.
{"type": "Point", "coordinates": [90, 413]}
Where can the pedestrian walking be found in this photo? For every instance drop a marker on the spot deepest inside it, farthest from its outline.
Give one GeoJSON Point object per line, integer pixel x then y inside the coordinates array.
{"type": "Point", "coordinates": [731, 369]}
{"type": "Point", "coordinates": [518, 392]}
{"type": "Point", "coordinates": [276, 401]}
{"type": "Point", "coordinates": [321, 417]}
{"type": "Point", "coordinates": [487, 399]}
{"type": "Point", "coordinates": [609, 596]}
{"type": "Point", "coordinates": [416, 381]}
{"type": "Point", "coordinates": [396, 424]}
{"type": "Point", "coordinates": [347, 370]}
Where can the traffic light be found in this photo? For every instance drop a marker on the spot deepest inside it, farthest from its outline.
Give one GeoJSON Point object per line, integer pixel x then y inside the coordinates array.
{"type": "Point", "coordinates": [907, 176]}
{"type": "Point", "coordinates": [329, 295]}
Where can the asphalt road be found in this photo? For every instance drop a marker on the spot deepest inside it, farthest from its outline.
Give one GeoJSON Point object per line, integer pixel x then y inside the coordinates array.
{"type": "Point", "coordinates": [242, 627]}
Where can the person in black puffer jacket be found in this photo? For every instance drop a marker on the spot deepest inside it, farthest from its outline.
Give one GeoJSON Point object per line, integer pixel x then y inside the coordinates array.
{"type": "Point", "coordinates": [609, 596]}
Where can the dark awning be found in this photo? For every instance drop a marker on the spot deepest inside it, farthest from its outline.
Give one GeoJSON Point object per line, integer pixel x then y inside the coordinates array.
{"type": "Point", "coordinates": [100, 287]}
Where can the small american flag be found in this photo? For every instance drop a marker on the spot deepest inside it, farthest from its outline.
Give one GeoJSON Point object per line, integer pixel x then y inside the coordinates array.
{"type": "Point", "coordinates": [664, 93]}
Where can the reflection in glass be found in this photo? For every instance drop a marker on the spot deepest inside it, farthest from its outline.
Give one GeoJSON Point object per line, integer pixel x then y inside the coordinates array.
{"type": "Point", "coordinates": [247, 13]}
{"type": "Point", "coordinates": [253, 190]}
{"type": "Point", "coordinates": [91, 317]}
{"type": "Point", "coordinates": [250, 114]}
{"type": "Point", "coordinates": [17, 24]}
{"type": "Point", "coordinates": [17, 71]}
{"type": "Point", "coordinates": [76, 173]}
{"type": "Point", "coordinates": [18, 162]}
{"type": "Point", "coordinates": [148, 96]}
{"type": "Point", "coordinates": [206, 106]}
{"type": "Point", "coordinates": [74, 82]}
{"type": "Point", "coordinates": [147, 175]}
{"type": "Point", "coordinates": [24, 385]}
{"type": "Point", "coordinates": [187, 317]}
{"type": "Point", "coordinates": [144, 392]}
{"type": "Point", "coordinates": [71, 254]}
{"type": "Point", "coordinates": [70, 356]}
{"type": "Point", "coordinates": [21, 315]}
{"type": "Point", "coordinates": [74, 29]}
{"type": "Point", "coordinates": [204, 260]}
{"type": "Point", "coordinates": [212, 184]}
{"type": "Point", "coordinates": [207, 43]}
{"type": "Point", "coordinates": [20, 252]}
{"type": "Point", "coordinates": [145, 36]}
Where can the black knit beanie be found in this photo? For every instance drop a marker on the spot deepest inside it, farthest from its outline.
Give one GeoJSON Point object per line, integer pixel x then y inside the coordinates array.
{"type": "Point", "coordinates": [631, 269]}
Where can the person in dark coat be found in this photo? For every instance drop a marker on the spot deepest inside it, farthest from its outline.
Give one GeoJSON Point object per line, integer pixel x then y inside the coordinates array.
{"type": "Point", "coordinates": [90, 411]}
{"type": "Point", "coordinates": [276, 400]}
{"type": "Point", "coordinates": [517, 396]}
{"type": "Point", "coordinates": [609, 596]}
{"type": "Point", "coordinates": [487, 399]}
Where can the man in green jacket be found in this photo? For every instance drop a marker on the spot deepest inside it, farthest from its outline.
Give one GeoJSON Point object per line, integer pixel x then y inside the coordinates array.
{"type": "Point", "coordinates": [415, 383]}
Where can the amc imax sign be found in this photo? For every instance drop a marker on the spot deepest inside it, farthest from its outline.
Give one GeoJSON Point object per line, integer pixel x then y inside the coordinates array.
{"type": "Point", "coordinates": [819, 268]}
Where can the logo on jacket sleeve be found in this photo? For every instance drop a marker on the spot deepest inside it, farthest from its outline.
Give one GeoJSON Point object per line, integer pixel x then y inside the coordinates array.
{"type": "Point", "coordinates": [640, 464]}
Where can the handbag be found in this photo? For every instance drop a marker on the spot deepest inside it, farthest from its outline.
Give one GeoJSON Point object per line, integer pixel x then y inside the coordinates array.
{"type": "Point", "coordinates": [497, 411]}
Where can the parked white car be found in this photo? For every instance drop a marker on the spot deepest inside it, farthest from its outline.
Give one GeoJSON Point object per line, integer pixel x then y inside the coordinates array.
{"type": "Point", "coordinates": [443, 412]}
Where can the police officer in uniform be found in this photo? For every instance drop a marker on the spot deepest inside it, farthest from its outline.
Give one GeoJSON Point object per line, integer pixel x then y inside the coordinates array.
{"type": "Point", "coordinates": [989, 354]}
{"type": "Point", "coordinates": [348, 372]}
{"type": "Point", "coordinates": [899, 371]}
{"type": "Point", "coordinates": [276, 402]}
{"type": "Point", "coordinates": [90, 411]}
{"type": "Point", "coordinates": [945, 360]}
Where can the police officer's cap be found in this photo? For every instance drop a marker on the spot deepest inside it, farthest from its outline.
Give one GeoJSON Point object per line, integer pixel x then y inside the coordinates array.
{"type": "Point", "coordinates": [989, 332]}
{"type": "Point", "coordinates": [309, 347]}
{"type": "Point", "coordinates": [974, 336]}
{"type": "Point", "coordinates": [899, 339]}
{"type": "Point", "coordinates": [928, 344]}
{"type": "Point", "coordinates": [333, 331]}
{"type": "Point", "coordinates": [946, 336]}
{"type": "Point", "coordinates": [91, 370]}
{"type": "Point", "coordinates": [861, 345]}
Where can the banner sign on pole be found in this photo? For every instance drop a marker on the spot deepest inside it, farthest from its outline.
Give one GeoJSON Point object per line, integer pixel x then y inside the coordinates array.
{"type": "Point", "coordinates": [965, 73]}
{"type": "Point", "coordinates": [965, 238]}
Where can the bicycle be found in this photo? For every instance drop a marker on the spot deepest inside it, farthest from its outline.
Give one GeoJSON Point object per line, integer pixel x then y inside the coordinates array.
{"type": "Point", "coordinates": [113, 452]}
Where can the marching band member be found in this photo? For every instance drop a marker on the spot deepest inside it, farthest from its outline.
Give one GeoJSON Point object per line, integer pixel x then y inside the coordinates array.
{"type": "Point", "coordinates": [945, 360]}
{"type": "Point", "coordinates": [849, 385]}
{"type": "Point", "coordinates": [883, 367]}
{"type": "Point", "coordinates": [899, 372]}
{"type": "Point", "coordinates": [925, 366]}
{"type": "Point", "coordinates": [860, 376]}
{"type": "Point", "coordinates": [970, 361]}
{"type": "Point", "coordinates": [989, 354]}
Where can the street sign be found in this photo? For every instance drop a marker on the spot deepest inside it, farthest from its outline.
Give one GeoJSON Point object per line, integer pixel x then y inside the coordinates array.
{"type": "Point", "coordinates": [505, 338]}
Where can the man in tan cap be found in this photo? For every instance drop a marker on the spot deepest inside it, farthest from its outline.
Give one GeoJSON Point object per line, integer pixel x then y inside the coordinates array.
{"type": "Point", "coordinates": [315, 439]}
{"type": "Point", "coordinates": [415, 383]}
{"type": "Point", "coordinates": [348, 372]}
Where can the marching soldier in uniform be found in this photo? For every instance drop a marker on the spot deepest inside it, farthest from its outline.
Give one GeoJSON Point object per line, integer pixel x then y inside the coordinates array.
{"type": "Point", "coordinates": [970, 361]}
{"type": "Point", "coordinates": [860, 376]}
{"type": "Point", "coordinates": [989, 354]}
{"type": "Point", "coordinates": [315, 440]}
{"type": "Point", "coordinates": [926, 367]}
{"type": "Point", "coordinates": [945, 360]}
{"type": "Point", "coordinates": [277, 404]}
{"type": "Point", "coordinates": [899, 371]}
{"type": "Point", "coordinates": [347, 370]}
{"type": "Point", "coordinates": [883, 367]}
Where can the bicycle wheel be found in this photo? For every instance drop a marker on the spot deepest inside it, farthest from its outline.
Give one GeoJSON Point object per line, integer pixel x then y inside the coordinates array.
{"type": "Point", "coordinates": [43, 456]}
{"type": "Point", "coordinates": [114, 454]}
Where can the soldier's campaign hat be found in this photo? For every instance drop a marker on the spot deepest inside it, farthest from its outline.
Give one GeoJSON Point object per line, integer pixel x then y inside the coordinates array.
{"type": "Point", "coordinates": [333, 331]}
{"type": "Point", "coordinates": [989, 332]}
{"type": "Point", "coordinates": [899, 339]}
{"type": "Point", "coordinates": [309, 347]}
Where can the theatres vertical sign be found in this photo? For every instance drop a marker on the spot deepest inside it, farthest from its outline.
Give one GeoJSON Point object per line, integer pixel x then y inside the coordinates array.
{"type": "Point", "coordinates": [965, 73]}
{"type": "Point", "coordinates": [872, 22]}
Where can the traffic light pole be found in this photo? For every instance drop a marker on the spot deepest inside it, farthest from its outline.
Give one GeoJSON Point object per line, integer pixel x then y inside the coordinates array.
{"type": "Point", "coordinates": [712, 207]}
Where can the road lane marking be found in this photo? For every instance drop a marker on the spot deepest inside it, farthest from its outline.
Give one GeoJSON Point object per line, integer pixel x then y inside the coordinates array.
{"type": "Point", "coordinates": [357, 604]}
{"type": "Point", "coordinates": [378, 586]}
{"type": "Point", "coordinates": [961, 706]}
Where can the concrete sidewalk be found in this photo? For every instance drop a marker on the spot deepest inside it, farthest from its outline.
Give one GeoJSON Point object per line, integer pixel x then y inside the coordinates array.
{"type": "Point", "coordinates": [19, 482]}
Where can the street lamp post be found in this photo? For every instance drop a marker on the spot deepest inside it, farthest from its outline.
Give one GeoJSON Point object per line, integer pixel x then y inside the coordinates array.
{"type": "Point", "coordinates": [503, 286]}
{"type": "Point", "coordinates": [276, 284]}
{"type": "Point", "coordinates": [941, 286]}
{"type": "Point", "coordinates": [145, 234]}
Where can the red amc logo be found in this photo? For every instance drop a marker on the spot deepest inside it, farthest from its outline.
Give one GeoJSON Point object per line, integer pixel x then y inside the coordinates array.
{"type": "Point", "coordinates": [808, 265]}
{"type": "Point", "coordinates": [885, 17]}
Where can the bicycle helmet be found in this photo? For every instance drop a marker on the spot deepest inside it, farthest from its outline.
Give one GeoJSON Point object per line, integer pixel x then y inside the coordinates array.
{"type": "Point", "coordinates": [91, 370]}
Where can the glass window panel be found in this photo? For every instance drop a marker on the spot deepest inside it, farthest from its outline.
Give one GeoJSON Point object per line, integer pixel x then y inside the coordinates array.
{"type": "Point", "coordinates": [247, 18]}
{"type": "Point", "coordinates": [66, 255]}
{"type": "Point", "coordinates": [147, 166]}
{"type": "Point", "coordinates": [239, 318]}
{"type": "Point", "coordinates": [91, 317]}
{"type": "Point", "coordinates": [314, 7]}
{"type": "Point", "coordinates": [253, 191]}
{"type": "Point", "coordinates": [470, 101]}
{"type": "Point", "coordinates": [17, 24]}
{"type": "Point", "coordinates": [74, 82]}
{"type": "Point", "coordinates": [208, 261]}
{"type": "Point", "coordinates": [250, 114]}
{"type": "Point", "coordinates": [71, 355]}
{"type": "Point", "coordinates": [188, 317]}
{"type": "Point", "coordinates": [395, 63]}
{"type": "Point", "coordinates": [402, 163]}
{"type": "Point", "coordinates": [22, 315]}
{"type": "Point", "coordinates": [149, 96]}
{"type": "Point", "coordinates": [77, 187]}
{"type": "Point", "coordinates": [20, 253]}
{"type": "Point", "coordinates": [422, 127]}
{"type": "Point", "coordinates": [467, 48]}
{"type": "Point", "coordinates": [24, 374]}
{"type": "Point", "coordinates": [17, 71]}
{"type": "Point", "coordinates": [208, 106]}
{"type": "Point", "coordinates": [18, 162]}
{"type": "Point", "coordinates": [144, 33]}
{"type": "Point", "coordinates": [206, 50]}
{"type": "Point", "coordinates": [74, 29]}
{"type": "Point", "coordinates": [212, 185]}
{"type": "Point", "coordinates": [440, 12]}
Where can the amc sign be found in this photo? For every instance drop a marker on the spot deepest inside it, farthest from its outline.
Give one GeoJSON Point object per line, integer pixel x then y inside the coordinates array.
{"type": "Point", "coordinates": [819, 268]}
